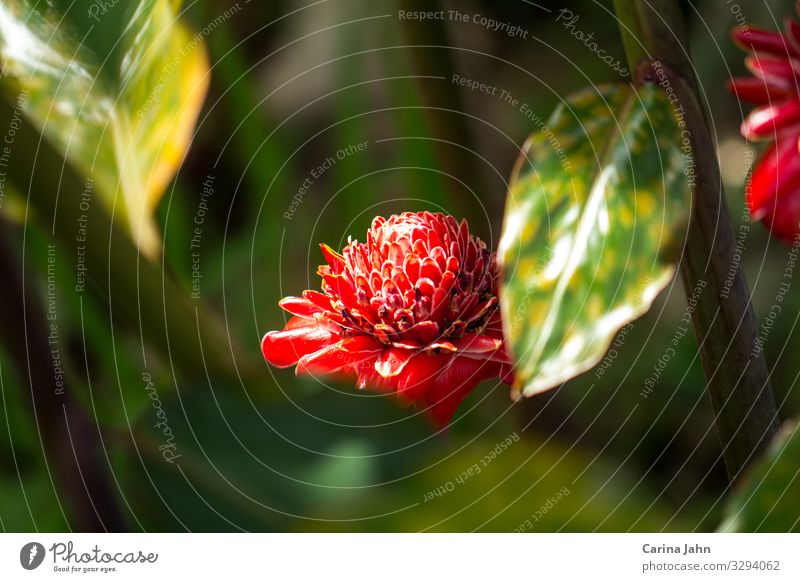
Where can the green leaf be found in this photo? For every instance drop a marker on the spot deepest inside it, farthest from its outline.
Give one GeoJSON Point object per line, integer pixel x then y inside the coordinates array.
{"type": "Point", "coordinates": [768, 500]}
{"type": "Point", "coordinates": [125, 122]}
{"type": "Point", "coordinates": [597, 208]}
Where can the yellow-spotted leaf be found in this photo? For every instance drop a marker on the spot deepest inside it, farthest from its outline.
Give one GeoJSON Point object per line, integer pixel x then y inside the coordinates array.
{"type": "Point", "coordinates": [768, 500]}
{"type": "Point", "coordinates": [123, 116]}
{"type": "Point", "coordinates": [596, 212]}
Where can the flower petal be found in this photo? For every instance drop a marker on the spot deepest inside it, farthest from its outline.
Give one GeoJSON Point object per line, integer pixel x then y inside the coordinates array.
{"type": "Point", "coordinates": [454, 385]}
{"type": "Point", "coordinates": [444, 345]}
{"type": "Point", "coordinates": [335, 260]}
{"type": "Point", "coordinates": [319, 299]}
{"type": "Point", "coordinates": [392, 361]}
{"type": "Point", "coordinates": [442, 382]}
{"type": "Point", "coordinates": [300, 306]}
{"type": "Point", "coordinates": [483, 347]}
{"type": "Point", "coordinates": [296, 321]}
{"type": "Point", "coordinates": [765, 122]}
{"type": "Point", "coordinates": [768, 41]}
{"type": "Point", "coordinates": [369, 378]}
{"type": "Point", "coordinates": [342, 287]}
{"type": "Point", "coordinates": [284, 348]}
{"type": "Point", "coordinates": [758, 91]}
{"type": "Point", "coordinates": [477, 344]}
{"type": "Point", "coordinates": [346, 354]}
{"type": "Point", "coordinates": [774, 192]}
{"type": "Point", "coordinates": [420, 375]}
{"type": "Point", "coordinates": [777, 172]}
{"type": "Point", "coordinates": [425, 331]}
{"type": "Point", "coordinates": [792, 33]}
{"type": "Point", "coordinates": [781, 72]}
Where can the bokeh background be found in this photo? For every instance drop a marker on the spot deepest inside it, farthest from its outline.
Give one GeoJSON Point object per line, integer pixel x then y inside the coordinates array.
{"type": "Point", "coordinates": [292, 84]}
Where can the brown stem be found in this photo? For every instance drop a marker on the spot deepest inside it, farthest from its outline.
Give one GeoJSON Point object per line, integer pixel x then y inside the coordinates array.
{"type": "Point", "coordinates": [724, 322]}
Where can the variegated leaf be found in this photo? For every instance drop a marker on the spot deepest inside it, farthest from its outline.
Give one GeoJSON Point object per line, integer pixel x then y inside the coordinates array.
{"type": "Point", "coordinates": [124, 118]}
{"type": "Point", "coordinates": [597, 209]}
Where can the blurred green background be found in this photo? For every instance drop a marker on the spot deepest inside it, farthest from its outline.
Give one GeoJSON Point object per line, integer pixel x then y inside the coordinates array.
{"type": "Point", "coordinates": [292, 84]}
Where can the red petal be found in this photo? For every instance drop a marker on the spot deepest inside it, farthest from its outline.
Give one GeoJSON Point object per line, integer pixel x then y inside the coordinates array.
{"type": "Point", "coordinates": [392, 361]}
{"type": "Point", "coordinates": [448, 279]}
{"type": "Point", "coordinates": [482, 309]}
{"type": "Point", "coordinates": [773, 70]}
{"type": "Point", "coordinates": [429, 269]}
{"type": "Point", "coordinates": [400, 279]}
{"type": "Point", "coordinates": [419, 375]}
{"type": "Point", "coordinates": [441, 302]}
{"type": "Point", "coordinates": [425, 286]}
{"type": "Point", "coordinates": [342, 286]}
{"type": "Point", "coordinates": [454, 384]}
{"type": "Point", "coordinates": [765, 122]}
{"type": "Point", "coordinates": [438, 255]}
{"type": "Point", "coordinates": [759, 39]}
{"type": "Point", "coordinates": [758, 91]}
{"type": "Point", "coordinates": [776, 171]}
{"type": "Point", "coordinates": [300, 306]}
{"type": "Point", "coordinates": [369, 378]}
{"type": "Point", "coordinates": [346, 354]}
{"type": "Point", "coordinates": [335, 260]}
{"type": "Point", "coordinates": [411, 267]}
{"type": "Point", "coordinates": [284, 348]}
{"type": "Point", "coordinates": [477, 344]}
{"type": "Point", "coordinates": [296, 321]}
{"type": "Point", "coordinates": [463, 237]}
{"type": "Point", "coordinates": [792, 33]}
{"type": "Point", "coordinates": [444, 345]}
{"type": "Point", "coordinates": [395, 255]}
{"type": "Point", "coordinates": [361, 343]}
{"type": "Point", "coordinates": [407, 344]}
{"type": "Point", "coordinates": [442, 382]}
{"type": "Point", "coordinates": [319, 299]}
{"type": "Point", "coordinates": [425, 331]}
{"type": "Point", "coordinates": [774, 192]}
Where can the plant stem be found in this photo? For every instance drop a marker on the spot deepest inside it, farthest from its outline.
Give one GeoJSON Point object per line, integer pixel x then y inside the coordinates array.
{"type": "Point", "coordinates": [725, 325]}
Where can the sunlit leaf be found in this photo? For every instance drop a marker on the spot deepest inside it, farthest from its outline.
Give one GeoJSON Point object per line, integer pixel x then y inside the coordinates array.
{"type": "Point", "coordinates": [597, 209]}
{"type": "Point", "coordinates": [769, 498]}
{"type": "Point", "coordinates": [126, 122]}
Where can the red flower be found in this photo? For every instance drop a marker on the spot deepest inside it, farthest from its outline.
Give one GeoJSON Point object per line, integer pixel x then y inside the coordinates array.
{"type": "Point", "coordinates": [412, 311]}
{"type": "Point", "coordinates": [774, 193]}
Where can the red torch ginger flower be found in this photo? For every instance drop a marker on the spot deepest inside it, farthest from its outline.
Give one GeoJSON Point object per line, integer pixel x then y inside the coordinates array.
{"type": "Point", "coordinates": [412, 311]}
{"type": "Point", "coordinates": [774, 192]}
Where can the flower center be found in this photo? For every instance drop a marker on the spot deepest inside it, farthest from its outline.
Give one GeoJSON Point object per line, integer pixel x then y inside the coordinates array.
{"type": "Point", "coordinates": [419, 278]}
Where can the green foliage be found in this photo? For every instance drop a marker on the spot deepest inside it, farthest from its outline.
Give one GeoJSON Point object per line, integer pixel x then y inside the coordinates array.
{"type": "Point", "coordinates": [124, 122]}
{"type": "Point", "coordinates": [324, 457]}
{"type": "Point", "coordinates": [596, 211]}
{"type": "Point", "coordinates": [767, 500]}
{"type": "Point", "coordinates": [265, 470]}
{"type": "Point", "coordinates": [28, 499]}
